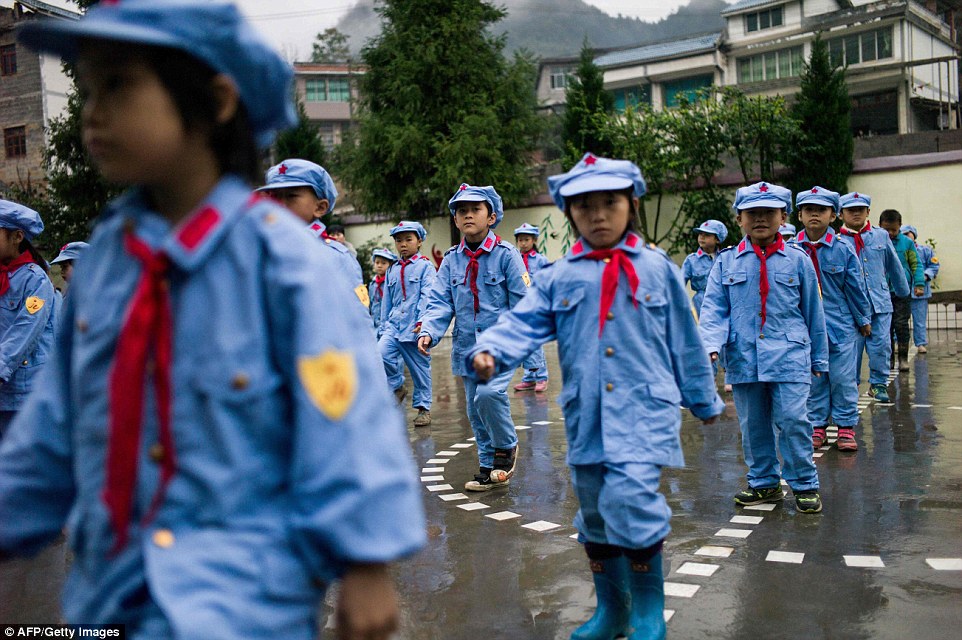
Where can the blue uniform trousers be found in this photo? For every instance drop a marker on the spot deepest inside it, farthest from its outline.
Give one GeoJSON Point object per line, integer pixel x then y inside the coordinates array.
{"type": "Point", "coordinates": [835, 393]}
{"type": "Point", "coordinates": [489, 412]}
{"type": "Point", "coordinates": [920, 318]}
{"type": "Point", "coordinates": [879, 347]}
{"type": "Point", "coordinates": [535, 367]}
{"type": "Point", "coordinates": [6, 417]}
{"type": "Point", "coordinates": [764, 408]}
{"type": "Point", "coordinates": [620, 504]}
{"type": "Point", "coordinates": [393, 352]}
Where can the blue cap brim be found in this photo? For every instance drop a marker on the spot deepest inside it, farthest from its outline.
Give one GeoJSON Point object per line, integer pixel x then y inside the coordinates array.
{"type": "Point", "coordinates": [589, 183]}
{"type": "Point", "coordinates": [771, 203]}
{"type": "Point", "coordinates": [63, 37]}
{"type": "Point", "coordinates": [820, 200]}
{"type": "Point", "coordinates": [285, 185]}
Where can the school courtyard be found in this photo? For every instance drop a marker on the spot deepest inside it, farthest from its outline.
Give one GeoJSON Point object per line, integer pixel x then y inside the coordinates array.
{"type": "Point", "coordinates": [882, 561]}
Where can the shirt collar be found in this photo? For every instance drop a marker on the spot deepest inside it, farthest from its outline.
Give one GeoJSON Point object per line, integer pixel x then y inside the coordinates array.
{"type": "Point", "coordinates": [828, 238]}
{"type": "Point", "coordinates": [488, 244]}
{"type": "Point", "coordinates": [631, 243]}
{"type": "Point", "coordinates": [745, 247]}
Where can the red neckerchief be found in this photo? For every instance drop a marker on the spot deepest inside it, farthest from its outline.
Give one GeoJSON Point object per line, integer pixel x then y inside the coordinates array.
{"type": "Point", "coordinates": [404, 263]}
{"type": "Point", "coordinates": [471, 274]}
{"type": "Point", "coordinates": [146, 330]}
{"type": "Point", "coordinates": [857, 236]}
{"type": "Point", "coordinates": [763, 255]}
{"type": "Point", "coordinates": [616, 259]}
{"type": "Point", "coordinates": [6, 269]}
{"type": "Point", "coordinates": [525, 256]}
{"type": "Point", "coordinates": [811, 248]}
{"type": "Point", "coordinates": [379, 286]}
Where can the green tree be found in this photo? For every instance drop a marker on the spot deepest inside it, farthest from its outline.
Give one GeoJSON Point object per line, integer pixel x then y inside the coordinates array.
{"type": "Point", "coordinates": [586, 105]}
{"type": "Point", "coordinates": [440, 105]}
{"type": "Point", "coordinates": [822, 153]}
{"type": "Point", "coordinates": [330, 47]}
{"type": "Point", "coordinates": [303, 141]}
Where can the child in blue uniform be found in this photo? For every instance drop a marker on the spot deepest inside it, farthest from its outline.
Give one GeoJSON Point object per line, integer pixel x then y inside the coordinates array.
{"type": "Point", "coordinates": [695, 268]}
{"type": "Point", "coordinates": [762, 306]}
{"type": "Point", "coordinates": [479, 279]}
{"type": "Point", "coordinates": [847, 314]}
{"type": "Point", "coordinates": [630, 353]}
{"type": "Point", "coordinates": [382, 259]}
{"type": "Point", "coordinates": [880, 266]}
{"type": "Point", "coordinates": [408, 282]}
{"type": "Point", "coordinates": [920, 302]}
{"type": "Point", "coordinates": [27, 309]}
{"type": "Point", "coordinates": [787, 231]}
{"type": "Point", "coordinates": [65, 259]}
{"type": "Point", "coordinates": [212, 427]}
{"type": "Point", "coordinates": [535, 377]}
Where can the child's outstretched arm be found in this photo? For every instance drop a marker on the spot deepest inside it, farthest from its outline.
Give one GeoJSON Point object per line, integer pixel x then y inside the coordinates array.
{"type": "Point", "coordinates": [367, 608]}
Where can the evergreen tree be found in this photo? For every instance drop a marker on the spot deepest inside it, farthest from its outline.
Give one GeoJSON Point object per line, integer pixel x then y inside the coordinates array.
{"type": "Point", "coordinates": [587, 104]}
{"type": "Point", "coordinates": [303, 141]}
{"type": "Point", "coordinates": [440, 105]}
{"type": "Point", "coordinates": [823, 151]}
{"type": "Point", "coordinates": [330, 46]}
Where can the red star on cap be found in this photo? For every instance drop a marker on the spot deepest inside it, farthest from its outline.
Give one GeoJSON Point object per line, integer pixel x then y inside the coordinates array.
{"type": "Point", "coordinates": [856, 195]}
{"type": "Point", "coordinates": [814, 189]}
{"type": "Point", "coordinates": [590, 160]}
{"type": "Point", "coordinates": [463, 187]}
{"type": "Point", "coordinates": [64, 247]}
{"type": "Point", "coordinates": [282, 169]}
{"type": "Point", "coordinates": [763, 188]}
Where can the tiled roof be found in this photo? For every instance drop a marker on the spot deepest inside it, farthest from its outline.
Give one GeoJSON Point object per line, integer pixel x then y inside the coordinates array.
{"type": "Point", "coordinates": [746, 4]}
{"type": "Point", "coordinates": [660, 50]}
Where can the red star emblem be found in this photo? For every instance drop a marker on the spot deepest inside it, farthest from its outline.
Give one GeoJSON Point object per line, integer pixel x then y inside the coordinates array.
{"type": "Point", "coordinates": [315, 226]}
{"type": "Point", "coordinates": [590, 160]}
{"type": "Point", "coordinates": [763, 188]}
{"type": "Point", "coordinates": [856, 195]}
{"type": "Point", "coordinates": [282, 169]}
{"type": "Point", "coordinates": [63, 247]}
{"type": "Point", "coordinates": [463, 187]}
{"type": "Point", "coordinates": [814, 189]}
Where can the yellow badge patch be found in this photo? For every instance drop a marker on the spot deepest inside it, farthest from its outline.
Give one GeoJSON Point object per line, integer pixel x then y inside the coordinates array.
{"type": "Point", "coordinates": [526, 278]}
{"type": "Point", "coordinates": [330, 380]}
{"type": "Point", "coordinates": [33, 304]}
{"type": "Point", "coordinates": [934, 260]}
{"type": "Point", "coordinates": [361, 292]}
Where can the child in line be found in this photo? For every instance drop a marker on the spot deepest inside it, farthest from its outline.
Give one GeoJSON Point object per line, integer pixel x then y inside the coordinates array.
{"type": "Point", "coordinates": [28, 310]}
{"type": "Point", "coordinates": [338, 233]}
{"type": "Point", "coordinates": [211, 429]}
{"type": "Point", "coordinates": [920, 303]}
{"type": "Point", "coordinates": [480, 278]}
{"type": "Point", "coordinates": [787, 231]}
{"type": "Point", "coordinates": [382, 260]}
{"type": "Point", "coordinates": [880, 266]}
{"type": "Point", "coordinates": [630, 354]}
{"type": "Point", "coordinates": [762, 305]}
{"type": "Point", "coordinates": [697, 265]}
{"type": "Point", "coordinates": [535, 367]}
{"type": "Point", "coordinates": [891, 221]}
{"type": "Point", "coordinates": [847, 314]}
{"type": "Point", "coordinates": [68, 254]}
{"type": "Point", "coordinates": [408, 282]}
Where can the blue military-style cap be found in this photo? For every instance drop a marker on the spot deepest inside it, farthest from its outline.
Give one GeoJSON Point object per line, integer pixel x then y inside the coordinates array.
{"type": "Point", "coordinates": [213, 32]}
{"type": "Point", "coordinates": [594, 173]}
{"type": "Point", "coordinates": [469, 193]}
{"type": "Point", "coordinates": [907, 228]}
{"type": "Point", "coordinates": [527, 229]}
{"type": "Point", "coordinates": [716, 227]}
{"type": "Point", "coordinates": [763, 194]}
{"type": "Point", "coordinates": [384, 253]}
{"type": "Point", "coordinates": [817, 195]}
{"type": "Point", "coordinates": [854, 199]}
{"type": "Point", "coordinates": [787, 230]}
{"type": "Point", "coordinates": [17, 216]}
{"type": "Point", "coordinates": [70, 251]}
{"type": "Point", "coordinates": [302, 173]}
{"type": "Point", "coordinates": [408, 225]}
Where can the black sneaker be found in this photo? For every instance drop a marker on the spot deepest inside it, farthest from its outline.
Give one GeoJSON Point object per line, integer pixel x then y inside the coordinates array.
{"type": "Point", "coordinates": [504, 463]}
{"type": "Point", "coordinates": [482, 481]}
{"type": "Point", "coordinates": [807, 501]}
{"type": "Point", "coordinates": [759, 495]}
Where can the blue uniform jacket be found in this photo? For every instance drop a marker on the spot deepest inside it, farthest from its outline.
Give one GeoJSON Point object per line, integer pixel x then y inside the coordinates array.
{"type": "Point", "coordinates": [793, 341]}
{"type": "Point", "coordinates": [930, 267]}
{"type": "Point", "coordinates": [402, 308]}
{"type": "Point", "coordinates": [28, 314]}
{"type": "Point", "coordinates": [345, 262]}
{"type": "Point", "coordinates": [880, 265]}
{"type": "Point", "coordinates": [622, 389]}
{"type": "Point", "coordinates": [375, 306]}
{"type": "Point", "coordinates": [695, 270]}
{"type": "Point", "coordinates": [844, 297]}
{"type": "Point", "coordinates": [502, 282]}
{"type": "Point", "coordinates": [536, 262]}
{"type": "Point", "coordinates": [290, 461]}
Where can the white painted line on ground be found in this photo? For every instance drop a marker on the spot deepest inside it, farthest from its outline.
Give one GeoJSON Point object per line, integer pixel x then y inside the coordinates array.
{"type": "Point", "coordinates": [681, 589]}
{"type": "Point", "coordinates": [921, 406]}
{"type": "Point", "coordinates": [431, 478]}
{"type": "Point", "coordinates": [768, 506]}
{"type": "Point", "coordinates": [502, 515]}
{"type": "Point", "coordinates": [668, 614]}
{"type": "Point", "coordinates": [541, 525]}
{"type": "Point", "coordinates": [715, 552]}
{"type": "Point", "coordinates": [870, 562]}
{"type": "Point", "coordinates": [448, 497]}
{"type": "Point", "coordinates": [945, 564]}
{"type": "Point", "coordinates": [832, 440]}
{"type": "Point", "coordinates": [824, 448]}
{"type": "Point", "coordinates": [746, 519]}
{"type": "Point", "coordinates": [472, 439]}
{"type": "Point", "coordinates": [956, 408]}
{"type": "Point", "coordinates": [448, 454]}
{"type": "Point", "coordinates": [831, 429]}
{"type": "Point", "coordinates": [818, 454]}
{"type": "Point", "coordinates": [437, 461]}
{"type": "Point", "coordinates": [541, 423]}
{"type": "Point", "coordinates": [784, 483]}
{"type": "Point", "coordinates": [785, 556]}
{"type": "Point", "coordinates": [888, 404]}
{"type": "Point", "coordinates": [432, 470]}
{"type": "Point", "coordinates": [440, 487]}
{"type": "Point", "coordinates": [462, 445]}
{"type": "Point", "coordinates": [733, 533]}
{"type": "Point", "coordinates": [522, 427]}
{"type": "Point", "coordinates": [698, 569]}
{"type": "Point", "coordinates": [472, 506]}
{"type": "Point", "coordinates": [573, 536]}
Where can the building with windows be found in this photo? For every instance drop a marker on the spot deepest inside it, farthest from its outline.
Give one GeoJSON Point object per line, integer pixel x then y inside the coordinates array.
{"type": "Point", "coordinates": [329, 94]}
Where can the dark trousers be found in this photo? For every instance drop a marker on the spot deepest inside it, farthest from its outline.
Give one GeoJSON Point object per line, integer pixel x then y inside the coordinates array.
{"type": "Point", "coordinates": [901, 314]}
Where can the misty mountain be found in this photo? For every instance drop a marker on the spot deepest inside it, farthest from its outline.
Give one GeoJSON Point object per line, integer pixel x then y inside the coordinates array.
{"type": "Point", "coordinates": [556, 28]}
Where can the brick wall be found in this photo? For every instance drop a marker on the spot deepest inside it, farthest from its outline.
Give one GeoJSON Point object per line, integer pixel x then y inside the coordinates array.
{"type": "Point", "coordinates": [21, 104]}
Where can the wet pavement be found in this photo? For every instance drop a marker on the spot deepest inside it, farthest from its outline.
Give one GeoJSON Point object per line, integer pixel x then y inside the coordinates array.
{"type": "Point", "coordinates": [883, 560]}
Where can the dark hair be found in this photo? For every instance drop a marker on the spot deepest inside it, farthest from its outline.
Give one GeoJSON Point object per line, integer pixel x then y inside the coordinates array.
{"type": "Point", "coordinates": [335, 228]}
{"type": "Point", "coordinates": [25, 245]}
{"type": "Point", "coordinates": [890, 215]}
{"type": "Point", "coordinates": [188, 80]}
{"type": "Point", "coordinates": [632, 217]}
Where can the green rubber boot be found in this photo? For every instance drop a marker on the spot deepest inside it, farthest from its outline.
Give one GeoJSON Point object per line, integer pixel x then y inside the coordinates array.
{"type": "Point", "coordinates": [611, 615]}
{"type": "Point", "coordinates": [647, 584]}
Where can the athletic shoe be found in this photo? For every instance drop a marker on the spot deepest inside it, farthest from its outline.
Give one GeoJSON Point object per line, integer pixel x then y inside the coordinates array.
{"type": "Point", "coordinates": [423, 419]}
{"type": "Point", "coordinates": [482, 481]}
{"type": "Point", "coordinates": [504, 463]}
{"type": "Point", "coordinates": [400, 394]}
{"type": "Point", "coordinates": [807, 501]}
{"type": "Point", "coordinates": [922, 349]}
{"type": "Point", "coordinates": [818, 437]}
{"type": "Point", "coordinates": [880, 392]}
{"type": "Point", "coordinates": [846, 440]}
{"type": "Point", "coordinates": [525, 386]}
{"type": "Point", "coordinates": [759, 495]}
{"type": "Point", "coordinates": [540, 386]}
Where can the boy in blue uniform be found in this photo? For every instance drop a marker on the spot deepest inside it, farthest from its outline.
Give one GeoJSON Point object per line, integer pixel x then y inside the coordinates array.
{"type": "Point", "coordinates": [695, 268]}
{"type": "Point", "coordinates": [68, 254]}
{"type": "Point", "coordinates": [211, 429]}
{"type": "Point", "coordinates": [479, 279]}
{"type": "Point", "coordinates": [880, 266]}
{"type": "Point", "coordinates": [891, 221]}
{"type": "Point", "coordinates": [787, 231]}
{"type": "Point", "coordinates": [847, 314]}
{"type": "Point", "coordinates": [920, 303]}
{"type": "Point", "coordinates": [535, 368]}
{"type": "Point", "coordinates": [382, 259]}
{"type": "Point", "coordinates": [762, 306]}
{"type": "Point", "coordinates": [630, 354]}
{"type": "Point", "coordinates": [28, 310]}
{"type": "Point", "coordinates": [408, 282]}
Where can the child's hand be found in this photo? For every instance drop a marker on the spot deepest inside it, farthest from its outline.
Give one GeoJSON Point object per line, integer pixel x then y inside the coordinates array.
{"type": "Point", "coordinates": [817, 374]}
{"type": "Point", "coordinates": [919, 291]}
{"type": "Point", "coordinates": [484, 365]}
{"type": "Point", "coordinates": [714, 356]}
{"type": "Point", "coordinates": [424, 345]}
{"type": "Point", "coordinates": [865, 330]}
{"type": "Point", "coordinates": [367, 608]}
{"type": "Point", "coordinates": [417, 328]}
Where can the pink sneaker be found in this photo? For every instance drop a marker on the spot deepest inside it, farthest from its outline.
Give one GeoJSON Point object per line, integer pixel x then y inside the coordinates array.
{"type": "Point", "coordinates": [525, 386]}
{"type": "Point", "coordinates": [846, 440]}
{"type": "Point", "coordinates": [540, 386]}
{"type": "Point", "coordinates": [819, 437]}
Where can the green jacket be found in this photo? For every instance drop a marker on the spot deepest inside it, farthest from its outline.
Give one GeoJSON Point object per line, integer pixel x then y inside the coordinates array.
{"type": "Point", "coordinates": [909, 257]}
